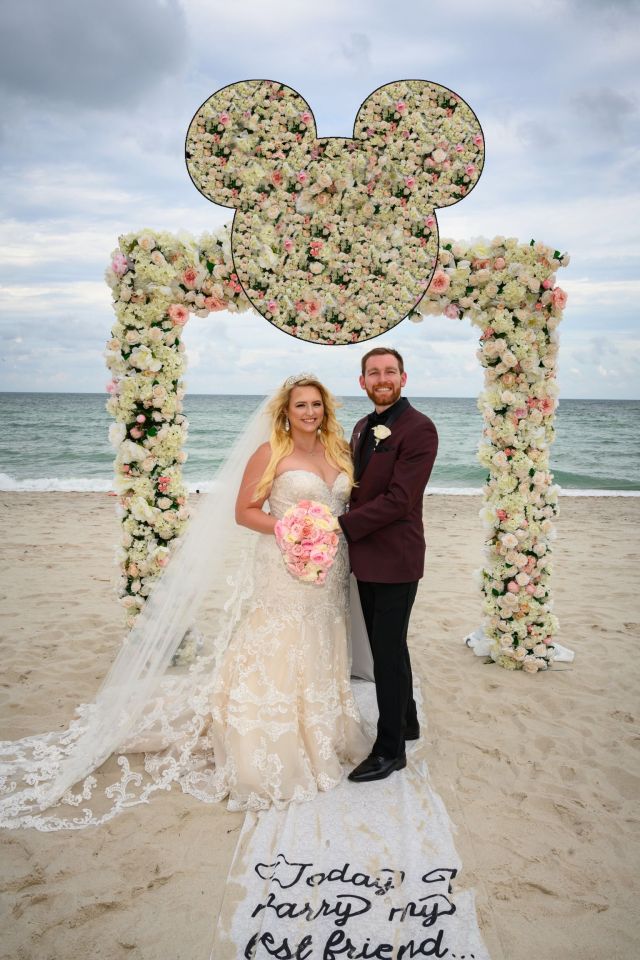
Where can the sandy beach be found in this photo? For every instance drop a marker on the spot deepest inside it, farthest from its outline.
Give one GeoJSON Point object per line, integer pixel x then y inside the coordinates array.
{"type": "Point", "coordinates": [540, 774]}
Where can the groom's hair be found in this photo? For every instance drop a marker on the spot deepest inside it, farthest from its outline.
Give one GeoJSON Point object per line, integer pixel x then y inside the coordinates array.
{"type": "Point", "coordinates": [379, 351]}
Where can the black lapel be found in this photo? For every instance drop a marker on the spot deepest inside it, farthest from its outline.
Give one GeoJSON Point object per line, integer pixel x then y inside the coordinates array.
{"type": "Point", "coordinates": [361, 461]}
{"type": "Point", "coordinates": [357, 449]}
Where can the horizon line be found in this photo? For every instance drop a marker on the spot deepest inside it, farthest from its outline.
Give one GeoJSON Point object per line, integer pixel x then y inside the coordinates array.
{"type": "Point", "coordinates": [351, 396]}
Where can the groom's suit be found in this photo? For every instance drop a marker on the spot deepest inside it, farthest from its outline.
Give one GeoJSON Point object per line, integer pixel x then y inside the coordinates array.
{"type": "Point", "coordinates": [385, 534]}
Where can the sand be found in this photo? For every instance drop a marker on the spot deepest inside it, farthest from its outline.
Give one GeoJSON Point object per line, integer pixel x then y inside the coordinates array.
{"type": "Point", "coordinates": [539, 773]}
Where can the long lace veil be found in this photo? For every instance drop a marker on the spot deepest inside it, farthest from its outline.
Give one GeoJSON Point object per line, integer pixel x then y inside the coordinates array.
{"type": "Point", "coordinates": [37, 772]}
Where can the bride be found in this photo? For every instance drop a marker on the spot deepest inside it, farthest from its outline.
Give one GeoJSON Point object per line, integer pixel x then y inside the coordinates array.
{"type": "Point", "coordinates": [267, 715]}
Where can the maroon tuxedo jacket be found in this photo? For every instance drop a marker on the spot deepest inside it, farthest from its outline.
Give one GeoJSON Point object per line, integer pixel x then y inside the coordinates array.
{"type": "Point", "coordinates": [384, 522]}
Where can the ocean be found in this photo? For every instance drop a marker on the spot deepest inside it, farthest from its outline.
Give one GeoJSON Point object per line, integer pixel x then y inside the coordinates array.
{"type": "Point", "coordinates": [58, 441]}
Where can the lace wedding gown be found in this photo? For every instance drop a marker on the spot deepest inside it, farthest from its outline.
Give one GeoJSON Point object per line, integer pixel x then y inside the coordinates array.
{"type": "Point", "coordinates": [271, 725]}
{"type": "Point", "coordinates": [282, 714]}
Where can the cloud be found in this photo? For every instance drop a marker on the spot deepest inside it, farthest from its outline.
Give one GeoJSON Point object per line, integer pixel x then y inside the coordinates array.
{"type": "Point", "coordinates": [607, 112]}
{"type": "Point", "coordinates": [612, 294]}
{"type": "Point", "coordinates": [90, 55]}
{"type": "Point", "coordinates": [622, 7]}
{"type": "Point", "coordinates": [280, 19]}
{"type": "Point", "coordinates": [356, 51]}
{"type": "Point", "coordinates": [98, 99]}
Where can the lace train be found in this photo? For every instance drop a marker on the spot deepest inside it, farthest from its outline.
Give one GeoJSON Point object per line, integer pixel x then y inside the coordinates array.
{"type": "Point", "coordinates": [271, 724]}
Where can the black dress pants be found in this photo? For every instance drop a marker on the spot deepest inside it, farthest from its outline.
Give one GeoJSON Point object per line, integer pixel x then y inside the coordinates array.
{"type": "Point", "coordinates": [386, 608]}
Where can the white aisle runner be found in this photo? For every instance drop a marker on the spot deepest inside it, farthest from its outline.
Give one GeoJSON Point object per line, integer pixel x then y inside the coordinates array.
{"type": "Point", "coordinates": [363, 871]}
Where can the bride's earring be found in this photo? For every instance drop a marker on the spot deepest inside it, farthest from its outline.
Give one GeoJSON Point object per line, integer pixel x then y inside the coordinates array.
{"type": "Point", "coordinates": [287, 425]}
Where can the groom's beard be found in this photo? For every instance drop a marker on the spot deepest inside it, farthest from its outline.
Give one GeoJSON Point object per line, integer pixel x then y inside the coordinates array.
{"type": "Point", "coordinates": [386, 398]}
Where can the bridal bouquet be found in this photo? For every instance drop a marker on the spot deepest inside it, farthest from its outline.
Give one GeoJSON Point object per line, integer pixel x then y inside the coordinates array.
{"type": "Point", "coordinates": [306, 537]}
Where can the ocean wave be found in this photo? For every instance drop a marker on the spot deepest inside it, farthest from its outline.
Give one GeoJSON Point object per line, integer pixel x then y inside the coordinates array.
{"type": "Point", "coordinates": [55, 484]}
{"type": "Point", "coordinates": [9, 484]}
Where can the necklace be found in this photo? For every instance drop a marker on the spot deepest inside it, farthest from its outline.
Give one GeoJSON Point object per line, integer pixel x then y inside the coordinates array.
{"type": "Point", "coordinates": [310, 453]}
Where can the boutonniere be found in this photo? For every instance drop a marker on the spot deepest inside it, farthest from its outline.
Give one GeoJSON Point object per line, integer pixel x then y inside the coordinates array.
{"type": "Point", "coordinates": [380, 432]}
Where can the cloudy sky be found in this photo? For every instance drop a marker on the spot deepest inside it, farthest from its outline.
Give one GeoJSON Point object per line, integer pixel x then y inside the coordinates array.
{"type": "Point", "coordinates": [97, 97]}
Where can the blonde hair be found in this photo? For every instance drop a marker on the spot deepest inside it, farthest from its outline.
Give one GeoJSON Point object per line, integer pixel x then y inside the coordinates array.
{"type": "Point", "coordinates": [331, 434]}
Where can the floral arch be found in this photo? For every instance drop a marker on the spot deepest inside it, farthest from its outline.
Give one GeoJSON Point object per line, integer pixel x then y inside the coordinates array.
{"type": "Point", "coordinates": [505, 288]}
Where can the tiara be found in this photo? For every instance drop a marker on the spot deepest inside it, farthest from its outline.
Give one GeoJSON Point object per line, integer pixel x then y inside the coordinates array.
{"type": "Point", "coordinates": [291, 381]}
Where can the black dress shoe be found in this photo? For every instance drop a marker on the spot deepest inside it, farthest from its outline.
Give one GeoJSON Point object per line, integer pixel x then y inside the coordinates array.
{"type": "Point", "coordinates": [377, 768]}
{"type": "Point", "coordinates": [413, 732]}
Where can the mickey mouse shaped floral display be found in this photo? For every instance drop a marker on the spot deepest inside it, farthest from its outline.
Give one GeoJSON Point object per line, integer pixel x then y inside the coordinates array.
{"type": "Point", "coordinates": [334, 240]}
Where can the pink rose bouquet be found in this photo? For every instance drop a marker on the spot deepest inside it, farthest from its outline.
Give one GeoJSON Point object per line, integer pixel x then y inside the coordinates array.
{"type": "Point", "coordinates": [306, 537]}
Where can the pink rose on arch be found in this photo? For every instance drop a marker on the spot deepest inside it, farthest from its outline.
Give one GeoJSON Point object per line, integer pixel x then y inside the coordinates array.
{"type": "Point", "coordinates": [451, 311]}
{"type": "Point", "coordinates": [499, 263]}
{"type": "Point", "coordinates": [214, 303]}
{"type": "Point", "coordinates": [440, 282]}
{"type": "Point", "coordinates": [179, 314]}
{"type": "Point", "coordinates": [558, 298]}
{"type": "Point", "coordinates": [190, 277]}
{"type": "Point", "coordinates": [513, 587]}
{"type": "Point", "coordinates": [119, 264]}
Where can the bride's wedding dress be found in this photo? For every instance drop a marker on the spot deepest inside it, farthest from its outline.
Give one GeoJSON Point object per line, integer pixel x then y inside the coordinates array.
{"type": "Point", "coordinates": [271, 724]}
{"type": "Point", "coordinates": [279, 717]}
{"type": "Point", "coordinates": [283, 714]}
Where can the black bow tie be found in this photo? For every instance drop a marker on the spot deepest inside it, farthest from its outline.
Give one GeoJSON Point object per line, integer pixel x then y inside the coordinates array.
{"type": "Point", "coordinates": [375, 417]}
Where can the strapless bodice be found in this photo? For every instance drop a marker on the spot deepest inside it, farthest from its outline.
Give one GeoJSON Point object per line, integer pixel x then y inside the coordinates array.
{"type": "Point", "coordinates": [291, 486]}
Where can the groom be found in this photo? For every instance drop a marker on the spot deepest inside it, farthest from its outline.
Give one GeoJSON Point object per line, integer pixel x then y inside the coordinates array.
{"type": "Point", "coordinates": [393, 450]}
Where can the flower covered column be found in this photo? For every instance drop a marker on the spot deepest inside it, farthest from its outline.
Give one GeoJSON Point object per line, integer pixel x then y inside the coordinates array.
{"type": "Point", "coordinates": [156, 281]}
{"type": "Point", "coordinates": [508, 290]}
